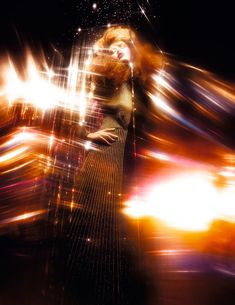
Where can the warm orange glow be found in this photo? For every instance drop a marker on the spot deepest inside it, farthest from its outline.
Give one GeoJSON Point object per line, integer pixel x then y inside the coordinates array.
{"type": "Point", "coordinates": [188, 202]}
{"type": "Point", "coordinates": [12, 154]}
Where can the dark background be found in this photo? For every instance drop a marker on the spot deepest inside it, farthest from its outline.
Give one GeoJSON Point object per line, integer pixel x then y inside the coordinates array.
{"type": "Point", "coordinates": [199, 32]}
{"type": "Point", "coordinates": [196, 31]}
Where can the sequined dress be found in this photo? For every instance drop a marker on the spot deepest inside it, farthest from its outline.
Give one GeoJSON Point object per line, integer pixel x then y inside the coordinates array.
{"type": "Point", "coordinates": [97, 259]}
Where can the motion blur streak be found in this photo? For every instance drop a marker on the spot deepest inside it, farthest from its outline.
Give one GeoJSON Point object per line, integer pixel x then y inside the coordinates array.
{"type": "Point", "coordinates": [12, 154]}
{"type": "Point", "coordinates": [195, 100]}
{"type": "Point", "coordinates": [24, 216]}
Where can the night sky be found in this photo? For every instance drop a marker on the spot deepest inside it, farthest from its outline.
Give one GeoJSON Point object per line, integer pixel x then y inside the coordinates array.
{"type": "Point", "coordinates": [199, 32]}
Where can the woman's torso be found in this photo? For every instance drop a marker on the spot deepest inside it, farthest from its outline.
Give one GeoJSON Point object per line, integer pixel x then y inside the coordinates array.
{"type": "Point", "coordinates": [117, 111]}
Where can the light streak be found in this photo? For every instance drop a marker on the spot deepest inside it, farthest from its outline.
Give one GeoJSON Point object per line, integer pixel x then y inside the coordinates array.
{"type": "Point", "coordinates": [12, 154]}
{"type": "Point", "coordinates": [17, 167]}
{"type": "Point", "coordinates": [22, 217]}
{"type": "Point", "coordinates": [144, 13]}
{"type": "Point", "coordinates": [19, 138]}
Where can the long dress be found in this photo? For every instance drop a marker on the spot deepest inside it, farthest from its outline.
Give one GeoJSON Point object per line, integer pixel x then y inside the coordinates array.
{"type": "Point", "coordinates": [97, 270]}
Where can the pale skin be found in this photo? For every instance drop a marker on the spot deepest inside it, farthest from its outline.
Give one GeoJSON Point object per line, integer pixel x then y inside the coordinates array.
{"type": "Point", "coordinates": [105, 136]}
{"type": "Point", "coordinates": [120, 51]}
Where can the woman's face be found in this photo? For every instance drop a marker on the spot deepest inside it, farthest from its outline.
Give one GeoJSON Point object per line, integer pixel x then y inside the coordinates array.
{"type": "Point", "coordinates": [120, 50]}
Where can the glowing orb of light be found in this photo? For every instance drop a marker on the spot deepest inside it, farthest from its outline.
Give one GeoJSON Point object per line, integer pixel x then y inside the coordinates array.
{"type": "Point", "coordinates": [187, 202]}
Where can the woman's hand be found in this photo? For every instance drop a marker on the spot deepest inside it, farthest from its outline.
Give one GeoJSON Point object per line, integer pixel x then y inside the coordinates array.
{"type": "Point", "coordinates": [103, 136]}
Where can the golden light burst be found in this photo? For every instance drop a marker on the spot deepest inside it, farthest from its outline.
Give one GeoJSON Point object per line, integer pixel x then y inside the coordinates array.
{"type": "Point", "coordinates": [189, 201]}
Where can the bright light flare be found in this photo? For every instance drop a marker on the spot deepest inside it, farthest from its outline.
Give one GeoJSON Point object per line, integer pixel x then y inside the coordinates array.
{"type": "Point", "coordinates": [187, 202]}
{"type": "Point", "coordinates": [35, 88]}
{"type": "Point", "coordinates": [43, 88]}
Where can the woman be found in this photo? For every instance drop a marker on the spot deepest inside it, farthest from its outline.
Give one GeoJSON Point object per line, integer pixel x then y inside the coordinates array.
{"type": "Point", "coordinates": [101, 270]}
